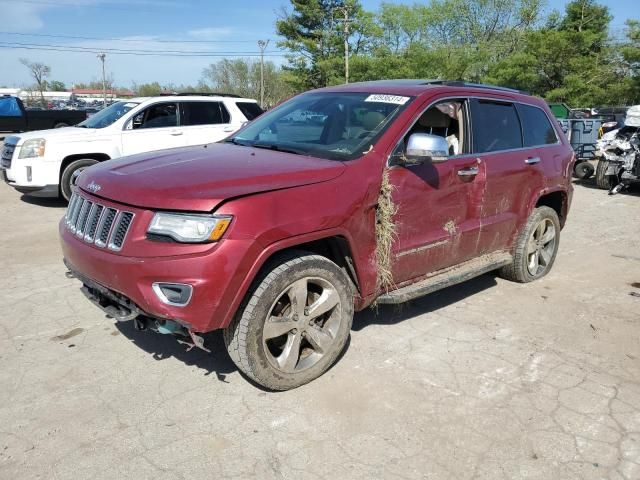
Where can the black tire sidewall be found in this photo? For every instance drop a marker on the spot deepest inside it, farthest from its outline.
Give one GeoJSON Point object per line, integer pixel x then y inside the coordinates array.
{"type": "Point", "coordinates": [583, 170]}
{"type": "Point", "coordinates": [255, 314]}
{"type": "Point", "coordinates": [539, 214]}
{"type": "Point", "coordinates": [65, 178]}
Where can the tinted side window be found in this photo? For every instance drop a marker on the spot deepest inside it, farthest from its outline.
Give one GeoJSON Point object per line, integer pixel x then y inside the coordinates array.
{"type": "Point", "coordinates": [495, 126]}
{"type": "Point", "coordinates": [536, 128]}
{"type": "Point", "coordinates": [250, 110]}
{"type": "Point", "coordinates": [159, 115]}
{"type": "Point", "coordinates": [205, 113]}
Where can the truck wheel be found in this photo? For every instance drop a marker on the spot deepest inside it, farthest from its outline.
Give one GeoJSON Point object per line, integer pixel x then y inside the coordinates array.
{"type": "Point", "coordinates": [583, 170]}
{"type": "Point", "coordinates": [61, 125]}
{"type": "Point", "coordinates": [70, 174]}
{"type": "Point", "coordinates": [603, 180]}
{"type": "Point", "coordinates": [294, 322]}
{"type": "Point", "coordinates": [536, 247]}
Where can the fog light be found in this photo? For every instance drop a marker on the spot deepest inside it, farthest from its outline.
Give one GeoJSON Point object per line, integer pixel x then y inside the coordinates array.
{"type": "Point", "coordinates": [176, 294]}
{"type": "Point", "coordinates": [28, 174]}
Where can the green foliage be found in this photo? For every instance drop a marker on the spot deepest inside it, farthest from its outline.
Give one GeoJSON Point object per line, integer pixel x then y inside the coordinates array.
{"type": "Point", "coordinates": [148, 89]}
{"type": "Point", "coordinates": [562, 57]}
{"type": "Point", "coordinates": [242, 77]}
{"type": "Point", "coordinates": [57, 86]}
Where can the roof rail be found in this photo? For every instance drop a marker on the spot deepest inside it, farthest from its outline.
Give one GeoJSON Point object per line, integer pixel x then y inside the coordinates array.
{"type": "Point", "coordinates": [458, 83]}
{"type": "Point", "coordinates": [206, 94]}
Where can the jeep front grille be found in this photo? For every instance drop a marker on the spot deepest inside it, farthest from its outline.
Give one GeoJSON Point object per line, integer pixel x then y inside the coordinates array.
{"type": "Point", "coordinates": [97, 224]}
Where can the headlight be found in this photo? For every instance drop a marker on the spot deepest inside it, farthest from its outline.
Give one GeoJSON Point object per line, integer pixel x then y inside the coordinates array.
{"type": "Point", "coordinates": [33, 148]}
{"type": "Point", "coordinates": [190, 228]}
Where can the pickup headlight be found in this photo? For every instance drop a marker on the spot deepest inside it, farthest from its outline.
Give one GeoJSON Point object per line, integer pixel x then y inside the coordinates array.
{"type": "Point", "coordinates": [189, 228]}
{"type": "Point", "coordinates": [33, 148]}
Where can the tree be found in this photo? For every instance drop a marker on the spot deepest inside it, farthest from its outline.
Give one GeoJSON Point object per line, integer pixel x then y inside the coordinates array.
{"type": "Point", "coordinates": [39, 72]}
{"type": "Point", "coordinates": [242, 77]}
{"type": "Point", "coordinates": [57, 86]}
{"type": "Point", "coordinates": [313, 33]}
{"type": "Point", "coordinates": [148, 89]}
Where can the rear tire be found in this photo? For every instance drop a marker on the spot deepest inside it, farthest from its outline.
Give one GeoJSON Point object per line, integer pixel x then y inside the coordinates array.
{"type": "Point", "coordinates": [70, 174]}
{"type": "Point", "coordinates": [294, 322]}
{"type": "Point", "coordinates": [603, 180]}
{"type": "Point", "coordinates": [536, 247]}
{"type": "Point", "coordinates": [583, 170]}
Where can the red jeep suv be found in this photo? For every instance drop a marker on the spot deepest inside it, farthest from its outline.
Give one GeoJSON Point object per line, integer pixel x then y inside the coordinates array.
{"type": "Point", "coordinates": [336, 199]}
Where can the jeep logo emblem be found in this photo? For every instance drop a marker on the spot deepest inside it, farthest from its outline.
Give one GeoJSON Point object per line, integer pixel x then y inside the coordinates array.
{"type": "Point", "coordinates": [94, 187]}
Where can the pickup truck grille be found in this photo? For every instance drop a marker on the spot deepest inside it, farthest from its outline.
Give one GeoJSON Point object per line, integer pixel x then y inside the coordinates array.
{"type": "Point", "coordinates": [97, 224]}
{"type": "Point", "coordinates": [7, 155]}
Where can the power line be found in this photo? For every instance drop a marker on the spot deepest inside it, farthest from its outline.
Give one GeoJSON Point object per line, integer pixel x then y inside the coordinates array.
{"type": "Point", "coordinates": [127, 50]}
{"type": "Point", "coordinates": [155, 54]}
{"type": "Point", "coordinates": [73, 48]}
{"type": "Point", "coordinates": [75, 37]}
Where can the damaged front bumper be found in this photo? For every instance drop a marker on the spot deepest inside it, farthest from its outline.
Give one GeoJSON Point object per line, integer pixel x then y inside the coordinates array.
{"type": "Point", "coordinates": [123, 309]}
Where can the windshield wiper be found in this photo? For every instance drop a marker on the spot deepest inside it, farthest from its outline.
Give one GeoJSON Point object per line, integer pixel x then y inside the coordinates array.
{"type": "Point", "coordinates": [278, 148]}
{"type": "Point", "coordinates": [235, 141]}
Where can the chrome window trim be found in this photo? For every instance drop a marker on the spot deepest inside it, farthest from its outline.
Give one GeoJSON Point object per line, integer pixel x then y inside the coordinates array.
{"type": "Point", "coordinates": [477, 97]}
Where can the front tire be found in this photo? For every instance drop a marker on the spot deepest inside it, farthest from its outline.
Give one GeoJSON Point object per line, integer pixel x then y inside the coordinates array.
{"type": "Point", "coordinates": [70, 175]}
{"type": "Point", "coordinates": [536, 247]}
{"type": "Point", "coordinates": [294, 323]}
{"type": "Point", "coordinates": [603, 180]}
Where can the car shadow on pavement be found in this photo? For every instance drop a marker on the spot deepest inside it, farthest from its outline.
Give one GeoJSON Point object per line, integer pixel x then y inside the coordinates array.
{"type": "Point", "coordinates": [392, 314]}
{"type": "Point", "coordinates": [44, 202]}
{"type": "Point", "coordinates": [162, 347]}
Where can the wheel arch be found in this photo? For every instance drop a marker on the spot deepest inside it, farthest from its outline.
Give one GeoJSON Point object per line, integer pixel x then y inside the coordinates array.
{"type": "Point", "coordinates": [100, 157]}
{"type": "Point", "coordinates": [333, 245]}
{"type": "Point", "coordinates": [558, 200]}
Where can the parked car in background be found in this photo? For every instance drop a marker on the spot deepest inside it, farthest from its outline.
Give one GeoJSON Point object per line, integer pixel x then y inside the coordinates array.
{"type": "Point", "coordinates": [46, 163]}
{"type": "Point", "coordinates": [14, 117]}
{"type": "Point", "coordinates": [381, 191]}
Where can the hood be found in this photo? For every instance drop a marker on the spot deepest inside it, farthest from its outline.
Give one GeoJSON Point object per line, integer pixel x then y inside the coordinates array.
{"type": "Point", "coordinates": [66, 133]}
{"type": "Point", "coordinates": [199, 178]}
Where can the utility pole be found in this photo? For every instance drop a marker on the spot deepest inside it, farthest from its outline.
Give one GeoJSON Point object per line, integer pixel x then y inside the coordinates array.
{"type": "Point", "coordinates": [345, 11]}
{"type": "Point", "coordinates": [263, 45]}
{"type": "Point", "coordinates": [102, 57]}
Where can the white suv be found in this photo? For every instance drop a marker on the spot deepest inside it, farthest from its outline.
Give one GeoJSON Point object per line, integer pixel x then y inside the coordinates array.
{"type": "Point", "coordinates": [45, 163]}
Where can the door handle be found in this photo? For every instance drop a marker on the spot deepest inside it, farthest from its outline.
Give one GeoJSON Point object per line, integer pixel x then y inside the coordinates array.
{"type": "Point", "coordinates": [176, 133]}
{"type": "Point", "coordinates": [468, 172]}
{"type": "Point", "coordinates": [532, 160]}
{"type": "Point", "coordinates": [228, 129]}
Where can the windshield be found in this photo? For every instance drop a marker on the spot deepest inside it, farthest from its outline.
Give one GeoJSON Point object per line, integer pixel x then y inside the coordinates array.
{"type": "Point", "coordinates": [333, 125]}
{"type": "Point", "coordinates": [107, 116]}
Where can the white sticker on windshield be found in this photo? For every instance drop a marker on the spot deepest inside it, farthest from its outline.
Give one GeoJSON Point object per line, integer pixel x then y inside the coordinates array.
{"type": "Point", "coordinates": [130, 105]}
{"type": "Point", "coordinates": [382, 98]}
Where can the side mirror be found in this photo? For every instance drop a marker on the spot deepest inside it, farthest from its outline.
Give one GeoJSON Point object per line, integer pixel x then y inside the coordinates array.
{"type": "Point", "coordinates": [423, 147]}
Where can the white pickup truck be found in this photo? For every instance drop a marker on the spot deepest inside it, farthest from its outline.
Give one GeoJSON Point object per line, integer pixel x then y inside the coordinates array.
{"type": "Point", "coordinates": [46, 163]}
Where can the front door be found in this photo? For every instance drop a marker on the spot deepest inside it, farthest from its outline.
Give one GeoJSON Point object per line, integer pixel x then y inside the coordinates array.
{"type": "Point", "coordinates": [155, 128]}
{"type": "Point", "coordinates": [438, 204]}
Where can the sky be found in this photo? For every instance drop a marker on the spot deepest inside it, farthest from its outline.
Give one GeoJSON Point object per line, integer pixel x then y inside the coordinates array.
{"type": "Point", "coordinates": [209, 29]}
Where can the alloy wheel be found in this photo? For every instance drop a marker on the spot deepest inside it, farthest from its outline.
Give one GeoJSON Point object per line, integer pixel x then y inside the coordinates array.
{"type": "Point", "coordinates": [541, 247]}
{"type": "Point", "coordinates": [302, 324]}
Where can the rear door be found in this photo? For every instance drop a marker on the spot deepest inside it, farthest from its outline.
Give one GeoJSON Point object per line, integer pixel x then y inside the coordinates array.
{"type": "Point", "coordinates": [438, 215]}
{"type": "Point", "coordinates": [154, 128]}
{"type": "Point", "coordinates": [205, 122]}
{"type": "Point", "coordinates": [512, 171]}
